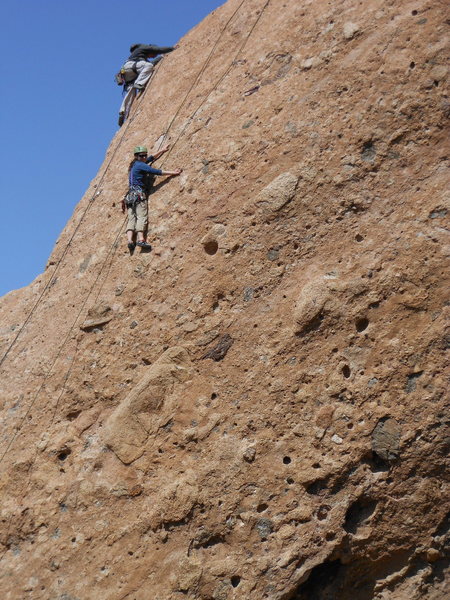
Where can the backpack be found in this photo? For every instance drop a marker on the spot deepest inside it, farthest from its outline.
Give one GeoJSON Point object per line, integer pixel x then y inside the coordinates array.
{"type": "Point", "coordinates": [120, 77]}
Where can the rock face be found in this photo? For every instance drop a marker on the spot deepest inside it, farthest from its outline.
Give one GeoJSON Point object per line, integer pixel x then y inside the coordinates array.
{"type": "Point", "coordinates": [255, 409]}
{"type": "Point", "coordinates": [143, 411]}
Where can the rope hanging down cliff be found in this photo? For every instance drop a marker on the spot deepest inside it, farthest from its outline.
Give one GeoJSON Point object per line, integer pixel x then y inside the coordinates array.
{"type": "Point", "coordinates": [205, 65]}
{"type": "Point", "coordinates": [114, 245]}
{"type": "Point", "coordinates": [52, 279]}
{"type": "Point", "coordinates": [48, 285]}
{"type": "Point", "coordinates": [124, 131]}
{"type": "Point", "coordinates": [221, 78]}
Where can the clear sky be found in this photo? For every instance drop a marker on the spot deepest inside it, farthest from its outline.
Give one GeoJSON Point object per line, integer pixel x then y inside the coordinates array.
{"type": "Point", "coordinates": [59, 107]}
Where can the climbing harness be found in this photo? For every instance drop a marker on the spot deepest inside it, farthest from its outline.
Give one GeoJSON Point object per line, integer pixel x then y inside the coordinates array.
{"type": "Point", "coordinates": [134, 195]}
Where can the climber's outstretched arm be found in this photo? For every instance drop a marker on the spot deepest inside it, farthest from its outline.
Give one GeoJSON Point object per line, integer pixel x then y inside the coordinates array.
{"type": "Point", "coordinates": [172, 173]}
{"type": "Point", "coordinates": [158, 154]}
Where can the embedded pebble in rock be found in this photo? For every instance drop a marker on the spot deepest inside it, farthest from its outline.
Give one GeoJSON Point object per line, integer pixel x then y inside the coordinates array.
{"type": "Point", "coordinates": [385, 439]}
{"type": "Point", "coordinates": [220, 349]}
{"type": "Point", "coordinates": [275, 424]}
{"type": "Point", "coordinates": [350, 30]}
{"type": "Point", "coordinates": [278, 193]}
{"type": "Point", "coordinates": [433, 555]}
{"type": "Point", "coordinates": [336, 439]}
{"type": "Point", "coordinates": [249, 455]}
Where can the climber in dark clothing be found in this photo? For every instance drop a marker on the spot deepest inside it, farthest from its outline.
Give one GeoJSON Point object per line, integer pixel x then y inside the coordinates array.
{"type": "Point", "coordinates": [136, 72]}
{"type": "Point", "coordinates": [139, 174]}
{"type": "Point", "coordinates": [146, 51]}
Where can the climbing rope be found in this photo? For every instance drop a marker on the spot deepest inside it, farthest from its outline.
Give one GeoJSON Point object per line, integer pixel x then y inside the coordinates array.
{"type": "Point", "coordinates": [58, 354]}
{"type": "Point", "coordinates": [219, 81]}
{"type": "Point", "coordinates": [204, 67]}
{"type": "Point", "coordinates": [51, 282]}
{"type": "Point", "coordinates": [115, 243]}
{"type": "Point", "coordinates": [52, 279]}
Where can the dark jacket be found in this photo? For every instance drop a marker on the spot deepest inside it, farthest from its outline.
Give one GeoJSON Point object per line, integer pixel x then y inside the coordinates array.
{"type": "Point", "coordinates": [144, 51]}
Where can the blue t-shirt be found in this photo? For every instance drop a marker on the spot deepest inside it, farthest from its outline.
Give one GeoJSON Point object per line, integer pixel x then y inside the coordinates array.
{"type": "Point", "coordinates": [139, 172]}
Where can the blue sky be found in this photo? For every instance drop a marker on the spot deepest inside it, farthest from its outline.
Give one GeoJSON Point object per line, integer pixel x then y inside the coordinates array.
{"type": "Point", "coordinates": [59, 106]}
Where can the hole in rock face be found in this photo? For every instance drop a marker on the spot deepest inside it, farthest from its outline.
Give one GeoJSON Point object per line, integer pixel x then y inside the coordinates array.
{"type": "Point", "coordinates": [211, 247]}
{"type": "Point", "coordinates": [377, 464]}
{"type": "Point", "coordinates": [262, 507]}
{"type": "Point", "coordinates": [213, 396]}
{"type": "Point", "coordinates": [368, 151]}
{"type": "Point", "coordinates": [318, 487]}
{"type": "Point", "coordinates": [216, 304]}
{"type": "Point", "coordinates": [414, 12]}
{"type": "Point", "coordinates": [290, 481]}
{"type": "Point", "coordinates": [361, 324]}
{"type": "Point", "coordinates": [411, 381]}
{"type": "Point", "coordinates": [235, 580]}
{"type": "Point", "coordinates": [209, 540]}
{"type": "Point", "coordinates": [359, 237]}
{"type": "Point", "coordinates": [64, 453]}
{"type": "Point", "coordinates": [412, 65]}
{"type": "Point", "coordinates": [313, 325]}
{"type": "Point", "coordinates": [323, 511]}
{"type": "Point", "coordinates": [287, 460]}
{"type": "Point", "coordinates": [320, 584]}
{"type": "Point", "coordinates": [358, 513]}
{"type": "Point", "coordinates": [71, 416]}
{"type": "Point", "coordinates": [346, 372]}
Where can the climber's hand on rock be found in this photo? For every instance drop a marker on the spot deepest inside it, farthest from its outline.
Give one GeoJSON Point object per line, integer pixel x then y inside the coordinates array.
{"type": "Point", "coordinates": [173, 173]}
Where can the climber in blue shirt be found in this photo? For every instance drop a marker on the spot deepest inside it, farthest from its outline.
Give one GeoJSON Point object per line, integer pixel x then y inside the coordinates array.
{"type": "Point", "coordinates": [139, 170]}
{"type": "Point", "coordinates": [140, 178]}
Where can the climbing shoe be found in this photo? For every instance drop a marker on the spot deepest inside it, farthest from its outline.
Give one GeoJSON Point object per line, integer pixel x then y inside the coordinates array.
{"type": "Point", "coordinates": [121, 119]}
{"type": "Point", "coordinates": [144, 245]}
{"type": "Point", "coordinates": [131, 247]}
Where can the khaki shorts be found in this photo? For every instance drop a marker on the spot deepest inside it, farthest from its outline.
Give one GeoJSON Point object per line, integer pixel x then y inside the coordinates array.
{"type": "Point", "coordinates": [138, 217]}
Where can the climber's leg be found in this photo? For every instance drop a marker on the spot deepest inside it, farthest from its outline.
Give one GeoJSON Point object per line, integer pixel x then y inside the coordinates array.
{"type": "Point", "coordinates": [144, 70]}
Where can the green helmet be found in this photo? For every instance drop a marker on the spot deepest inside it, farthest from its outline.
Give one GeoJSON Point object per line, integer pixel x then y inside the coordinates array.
{"type": "Point", "coordinates": [140, 149]}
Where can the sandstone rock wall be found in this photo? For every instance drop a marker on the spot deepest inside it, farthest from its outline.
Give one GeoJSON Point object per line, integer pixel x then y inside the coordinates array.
{"type": "Point", "coordinates": [255, 409]}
